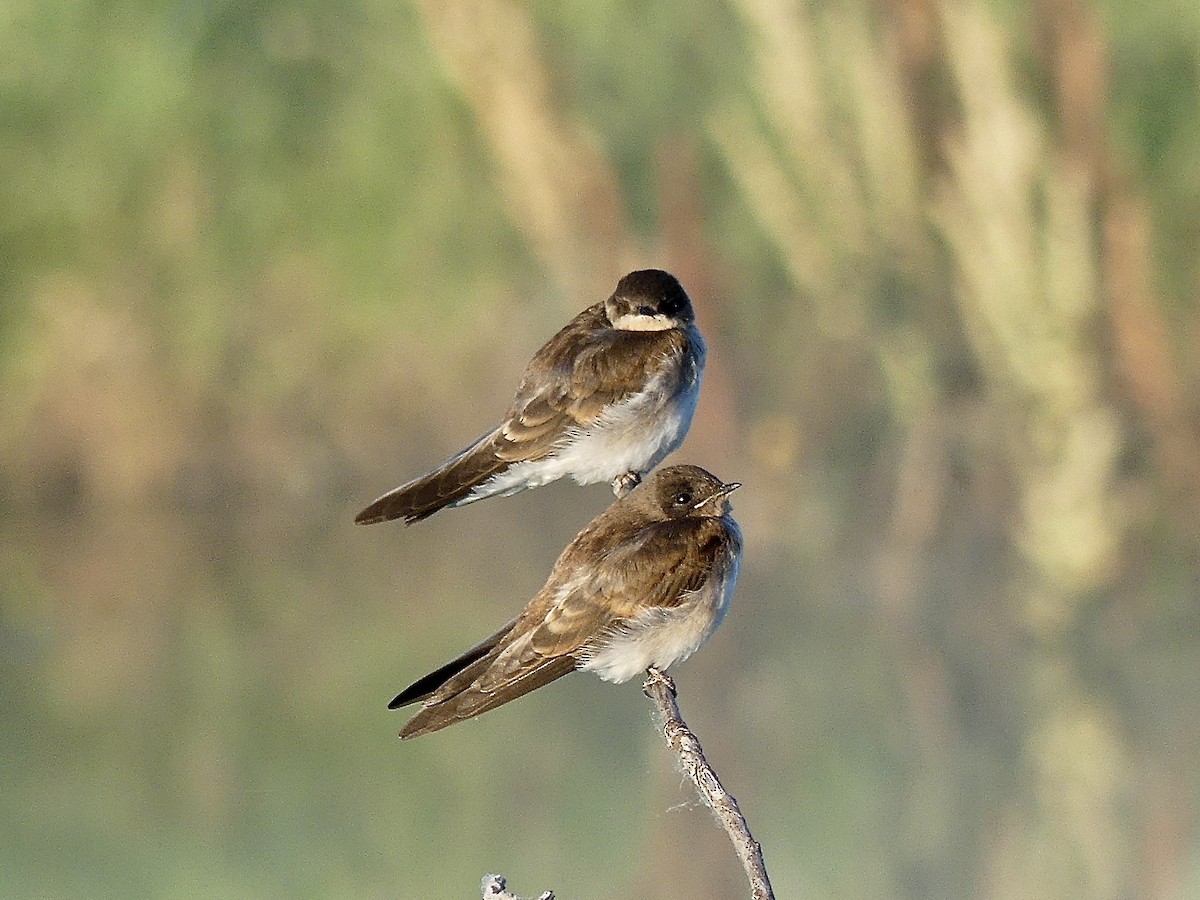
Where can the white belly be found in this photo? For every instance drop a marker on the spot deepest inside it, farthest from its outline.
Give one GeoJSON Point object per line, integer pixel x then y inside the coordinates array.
{"type": "Point", "coordinates": [632, 436]}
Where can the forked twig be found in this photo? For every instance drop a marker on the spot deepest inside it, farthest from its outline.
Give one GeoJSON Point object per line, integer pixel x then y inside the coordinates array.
{"type": "Point", "coordinates": [494, 887]}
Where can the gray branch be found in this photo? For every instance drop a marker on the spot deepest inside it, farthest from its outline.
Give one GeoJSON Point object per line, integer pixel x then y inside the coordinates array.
{"type": "Point", "coordinates": [661, 689]}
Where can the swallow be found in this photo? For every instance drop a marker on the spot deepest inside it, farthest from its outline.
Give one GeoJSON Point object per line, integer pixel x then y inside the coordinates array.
{"type": "Point", "coordinates": [605, 399]}
{"type": "Point", "coordinates": [643, 585]}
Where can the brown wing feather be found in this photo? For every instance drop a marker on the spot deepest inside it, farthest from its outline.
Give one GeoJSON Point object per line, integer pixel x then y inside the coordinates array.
{"type": "Point", "coordinates": [659, 568]}
{"type": "Point", "coordinates": [508, 669]}
{"type": "Point", "coordinates": [471, 701]}
{"type": "Point", "coordinates": [449, 483]}
{"type": "Point", "coordinates": [560, 390]}
{"type": "Point", "coordinates": [423, 688]}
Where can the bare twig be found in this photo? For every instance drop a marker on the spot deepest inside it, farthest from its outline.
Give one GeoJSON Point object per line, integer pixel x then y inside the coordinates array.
{"type": "Point", "coordinates": [661, 689]}
{"type": "Point", "coordinates": [494, 887]}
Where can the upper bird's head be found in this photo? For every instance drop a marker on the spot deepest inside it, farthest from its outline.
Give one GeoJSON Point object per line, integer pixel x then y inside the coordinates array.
{"type": "Point", "coordinates": [649, 300]}
{"type": "Point", "coordinates": [683, 491]}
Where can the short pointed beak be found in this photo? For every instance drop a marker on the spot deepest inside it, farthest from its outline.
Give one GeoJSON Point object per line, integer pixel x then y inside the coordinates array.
{"type": "Point", "coordinates": [723, 491]}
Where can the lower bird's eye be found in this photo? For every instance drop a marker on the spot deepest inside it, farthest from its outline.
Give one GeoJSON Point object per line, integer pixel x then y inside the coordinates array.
{"type": "Point", "coordinates": [683, 498]}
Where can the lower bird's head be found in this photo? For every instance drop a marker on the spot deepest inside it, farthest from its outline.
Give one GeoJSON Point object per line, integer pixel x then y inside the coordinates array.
{"type": "Point", "coordinates": [682, 491]}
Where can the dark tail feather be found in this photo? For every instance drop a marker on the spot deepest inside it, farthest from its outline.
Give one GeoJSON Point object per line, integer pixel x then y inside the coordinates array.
{"type": "Point", "coordinates": [470, 703]}
{"type": "Point", "coordinates": [422, 688]}
{"type": "Point", "coordinates": [448, 483]}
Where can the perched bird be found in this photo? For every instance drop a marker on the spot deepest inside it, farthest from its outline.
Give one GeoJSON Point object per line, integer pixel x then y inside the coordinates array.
{"type": "Point", "coordinates": [644, 584]}
{"type": "Point", "coordinates": [604, 400]}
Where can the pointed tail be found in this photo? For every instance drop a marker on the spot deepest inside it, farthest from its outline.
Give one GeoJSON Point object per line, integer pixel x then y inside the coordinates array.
{"type": "Point", "coordinates": [469, 701]}
{"type": "Point", "coordinates": [448, 484]}
{"type": "Point", "coordinates": [459, 690]}
{"type": "Point", "coordinates": [422, 688]}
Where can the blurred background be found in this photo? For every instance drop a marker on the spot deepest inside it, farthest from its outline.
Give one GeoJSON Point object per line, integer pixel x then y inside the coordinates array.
{"type": "Point", "coordinates": [262, 261]}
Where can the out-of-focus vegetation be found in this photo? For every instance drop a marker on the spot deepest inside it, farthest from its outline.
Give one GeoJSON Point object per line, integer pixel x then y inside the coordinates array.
{"type": "Point", "coordinates": [261, 261]}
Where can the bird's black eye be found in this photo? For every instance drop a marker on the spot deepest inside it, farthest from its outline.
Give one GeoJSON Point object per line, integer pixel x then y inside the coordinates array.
{"type": "Point", "coordinates": [683, 498]}
{"type": "Point", "coordinates": [671, 305]}
{"type": "Point", "coordinates": [647, 311]}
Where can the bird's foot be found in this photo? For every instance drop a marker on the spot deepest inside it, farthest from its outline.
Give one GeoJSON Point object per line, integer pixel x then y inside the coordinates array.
{"type": "Point", "coordinates": [655, 676]}
{"type": "Point", "coordinates": [623, 484]}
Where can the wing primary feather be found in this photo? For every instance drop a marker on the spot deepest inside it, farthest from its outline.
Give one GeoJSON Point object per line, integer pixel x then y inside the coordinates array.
{"type": "Point", "coordinates": [471, 702]}
{"type": "Point", "coordinates": [450, 483]}
{"type": "Point", "coordinates": [423, 688]}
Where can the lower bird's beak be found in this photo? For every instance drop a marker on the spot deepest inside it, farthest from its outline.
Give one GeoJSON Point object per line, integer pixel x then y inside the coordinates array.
{"type": "Point", "coordinates": [723, 491]}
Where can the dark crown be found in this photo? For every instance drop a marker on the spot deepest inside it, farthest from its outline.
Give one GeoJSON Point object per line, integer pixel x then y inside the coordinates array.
{"type": "Point", "coordinates": [655, 288]}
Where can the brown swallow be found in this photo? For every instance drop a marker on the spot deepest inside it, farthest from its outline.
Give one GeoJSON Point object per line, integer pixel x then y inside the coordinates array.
{"type": "Point", "coordinates": [605, 399]}
{"type": "Point", "coordinates": [644, 584]}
